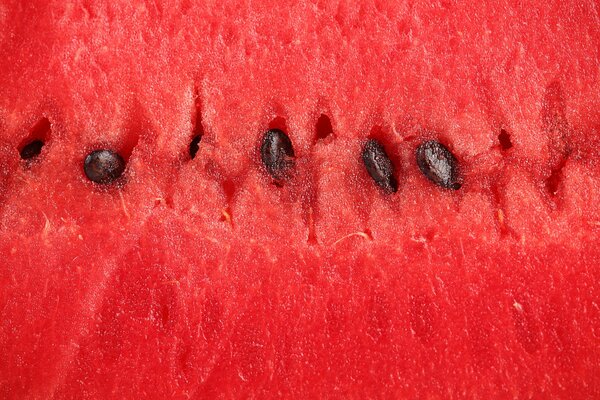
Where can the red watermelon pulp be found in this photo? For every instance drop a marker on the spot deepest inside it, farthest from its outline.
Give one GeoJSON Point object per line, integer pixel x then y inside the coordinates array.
{"type": "Point", "coordinates": [203, 277]}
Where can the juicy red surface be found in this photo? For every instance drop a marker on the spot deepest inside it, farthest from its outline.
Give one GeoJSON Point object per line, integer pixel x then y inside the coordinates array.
{"type": "Point", "coordinates": [200, 278]}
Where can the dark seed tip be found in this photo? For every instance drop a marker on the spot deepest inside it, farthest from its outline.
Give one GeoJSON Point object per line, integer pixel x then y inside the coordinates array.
{"type": "Point", "coordinates": [103, 166]}
{"type": "Point", "coordinates": [195, 146]}
{"type": "Point", "coordinates": [504, 139]}
{"type": "Point", "coordinates": [32, 150]}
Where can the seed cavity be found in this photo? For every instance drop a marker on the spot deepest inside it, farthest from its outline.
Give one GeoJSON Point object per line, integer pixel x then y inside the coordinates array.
{"type": "Point", "coordinates": [277, 154]}
{"type": "Point", "coordinates": [198, 128]}
{"type": "Point", "coordinates": [504, 139]}
{"type": "Point", "coordinates": [379, 166]}
{"type": "Point", "coordinates": [556, 176]}
{"type": "Point", "coordinates": [438, 164]}
{"type": "Point", "coordinates": [103, 166]}
{"type": "Point", "coordinates": [32, 149]}
{"type": "Point", "coordinates": [323, 127]}
{"type": "Point", "coordinates": [194, 146]}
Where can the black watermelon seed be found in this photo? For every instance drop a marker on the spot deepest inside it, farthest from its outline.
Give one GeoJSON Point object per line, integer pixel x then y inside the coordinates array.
{"type": "Point", "coordinates": [438, 164]}
{"type": "Point", "coordinates": [195, 146]}
{"type": "Point", "coordinates": [32, 150]}
{"type": "Point", "coordinates": [277, 153]}
{"type": "Point", "coordinates": [103, 166]}
{"type": "Point", "coordinates": [379, 166]}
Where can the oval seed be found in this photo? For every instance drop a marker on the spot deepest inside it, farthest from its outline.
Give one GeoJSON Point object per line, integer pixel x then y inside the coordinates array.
{"type": "Point", "coordinates": [438, 164]}
{"type": "Point", "coordinates": [277, 153]}
{"type": "Point", "coordinates": [379, 166]}
{"type": "Point", "coordinates": [32, 149]}
{"type": "Point", "coordinates": [103, 166]}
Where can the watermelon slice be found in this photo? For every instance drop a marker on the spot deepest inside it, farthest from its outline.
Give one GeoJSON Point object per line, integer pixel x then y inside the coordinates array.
{"type": "Point", "coordinates": [313, 199]}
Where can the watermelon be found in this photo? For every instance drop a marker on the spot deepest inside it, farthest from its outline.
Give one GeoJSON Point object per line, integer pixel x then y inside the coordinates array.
{"type": "Point", "coordinates": [311, 199]}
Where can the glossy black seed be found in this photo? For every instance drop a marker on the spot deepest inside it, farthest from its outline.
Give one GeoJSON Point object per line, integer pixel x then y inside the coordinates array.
{"type": "Point", "coordinates": [379, 166]}
{"type": "Point", "coordinates": [103, 166]}
{"type": "Point", "coordinates": [438, 164]}
{"type": "Point", "coordinates": [32, 150]}
{"type": "Point", "coordinates": [195, 146]}
{"type": "Point", "coordinates": [277, 154]}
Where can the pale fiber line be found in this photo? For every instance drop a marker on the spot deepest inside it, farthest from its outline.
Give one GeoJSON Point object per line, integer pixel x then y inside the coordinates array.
{"type": "Point", "coordinates": [92, 303]}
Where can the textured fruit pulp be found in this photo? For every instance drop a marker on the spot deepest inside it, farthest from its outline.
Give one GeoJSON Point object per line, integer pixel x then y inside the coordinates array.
{"type": "Point", "coordinates": [199, 277]}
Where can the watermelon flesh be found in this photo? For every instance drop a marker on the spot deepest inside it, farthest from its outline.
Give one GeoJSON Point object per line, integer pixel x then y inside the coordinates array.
{"type": "Point", "coordinates": [201, 278]}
